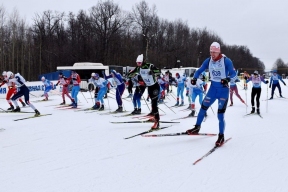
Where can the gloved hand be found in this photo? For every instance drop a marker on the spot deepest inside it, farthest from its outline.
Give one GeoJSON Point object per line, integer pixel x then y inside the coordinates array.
{"type": "Point", "coordinates": [150, 73]}
{"type": "Point", "coordinates": [225, 81]}
{"type": "Point", "coordinates": [269, 86]}
{"type": "Point", "coordinates": [266, 81]}
{"type": "Point", "coordinates": [186, 93]}
{"type": "Point", "coordinates": [245, 78]}
{"type": "Point", "coordinates": [193, 81]}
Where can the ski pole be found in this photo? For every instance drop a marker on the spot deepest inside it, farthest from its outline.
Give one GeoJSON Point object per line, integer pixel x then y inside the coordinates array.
{"type": "Point", "coordinates": [33, 95]}
{"type": "Point", "coordinates": [267, 100]}
{"type": "Point", "coordinates": [169, 107]}
{"type": "Point", "coordinates": [161, 110]}
{"type": "Point", "coordinates": [246, 100]}
{"type": "Point", "coordinates": [4, 110]}
{"type": "Point", "coordinates": [146, 102]}
{"type": "Point", "coordinates": [84, 96]}
{"type": "Point", "coordinates": [92, 98]}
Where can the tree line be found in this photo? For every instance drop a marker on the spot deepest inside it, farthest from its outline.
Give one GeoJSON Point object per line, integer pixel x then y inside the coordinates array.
{"type": "Point", "coordinates": [107, 34]}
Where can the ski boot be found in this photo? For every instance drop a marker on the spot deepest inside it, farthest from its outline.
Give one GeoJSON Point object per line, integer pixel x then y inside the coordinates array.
{"type": "Point", "coordinates": [195, 130]}
{"type": "Point", "coordinates": [253, 110]}
{"type": "Point", "coordinates": [231, 104]}
{"type": "Point", "coordinates": [258, 111]}
{"type": "Point", "coordinates": [96, 106]}
{"type": "Point", "coordinates": [271, 98]}
{"type": "Point", "coordinates": [119, 110]}
{"type": "Point", "coordinates": [37, 113]}
{"type": "Point", "coordinates": [17, 109]}
{"type": "Point", "coordinates": [192, 114]}
{"type": "Point", "coordinates": [23, 104]}
{"type": "Point", "coordinates": [156, 125]}
{"type": "Point", "coordinates": [74, 106]}
{"type": "Point", "coordinates": [138, 111]}
{"type": "Point", "coordinates": [134, 112]}
{"type": "Point", "coordinates": [177, 104]}
{"type": "Point", "coordinates": [189, 107]}
{"type": "Point", "coordinates": [11, 107]}
{"type": "Point", "coordinates": [220, 140]}
{"type": "Point", "coordinates": [101, 108]}
{"type": "Point", "coordinates": [63, 103]}
{"type": "Point", "coordinates": [182, 103]}
{"type": "Point", "coordinates": [160, 101]}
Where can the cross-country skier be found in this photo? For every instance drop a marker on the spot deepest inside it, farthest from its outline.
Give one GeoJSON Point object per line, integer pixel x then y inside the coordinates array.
{"type": "Point", "coordinates": [65, 88]}
{"type": "Point", "coordinates": [274, 80]}
{"type": "Point", "coordinates": [180, 79]}
{"type": "Point", "coordinates": [76, 80]}
{"type": "Point", "coordinates": [234, 89]}
{"type": "Point", "coordinates": [12, 90]}
{"type": "Point", "coordinates": [194, 91]}
{"type": "Point", "coordinates": [256, 90]}
{"type": "Point", "coordinates": [220, 67]}
{"type": "Point", "coordinates": [140, 88]}
{"type": "Point", "coordinates": [117, 77]}
{"type": "Point", "coordinates": [48, 86]}
{"type": "Point", "coordinates": [246, 76]}
{"type": "Point", "coordinates": [149, 73]}
{"type": "Point", "coordinates": [23, 90]}
{"type": "Point", "coordinates": [101, 85]}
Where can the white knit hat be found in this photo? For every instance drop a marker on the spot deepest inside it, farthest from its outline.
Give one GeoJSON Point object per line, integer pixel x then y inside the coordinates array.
{"type": "Point", "coordinates": [139, 58]}
{"type": "Point", "coordinates": [215, 47]}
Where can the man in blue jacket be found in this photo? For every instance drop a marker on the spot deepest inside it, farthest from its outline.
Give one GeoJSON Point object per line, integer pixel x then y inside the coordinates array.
{"type": "Point", "coordinates": [222, 71]}
{"type": "Point", "coordinates": [274, 80]}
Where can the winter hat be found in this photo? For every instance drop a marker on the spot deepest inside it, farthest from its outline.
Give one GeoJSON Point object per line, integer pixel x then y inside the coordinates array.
{"type": "Point", "coordinates": [92, 74]}
{"type": "Point", "coordinates": [96, 75]}
{"type": "Point", "coordinates": [177, 74]}
{"type": "Point", "coordinates": [139, 58]}
{"type": "Point", "coordinates": [43, 78]}
{"type": "Point", "coordinates": [256, 73]}
{"type": "Point", "coordinates": [215, 47]}
{"type": "Point", "coordinates": [4, 73]}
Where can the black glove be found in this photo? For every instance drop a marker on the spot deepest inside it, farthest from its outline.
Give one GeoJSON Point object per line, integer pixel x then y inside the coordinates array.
{"type": "Point", "coordinates": [245, 78]}
{"type": "Point", "coordinates": [225, 81]}
{"type": "Point", "coordinates": [266, 81]}
{"type": "Point", "coordinates": [56, 84]}
{"type": "Point", "coordinates": [193, 81]}
{"type": "Point", "coordinates": [150, 73]}
{"type": "Point", "coordinates": [269, 86]}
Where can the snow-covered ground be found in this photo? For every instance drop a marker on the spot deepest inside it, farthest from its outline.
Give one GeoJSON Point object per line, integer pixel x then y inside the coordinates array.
{"type": "Point", "coordinates": [76, 151]}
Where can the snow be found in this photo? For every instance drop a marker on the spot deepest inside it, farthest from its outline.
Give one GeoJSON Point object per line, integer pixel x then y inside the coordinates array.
{"type": "Point", "coordinates": [78, 151]}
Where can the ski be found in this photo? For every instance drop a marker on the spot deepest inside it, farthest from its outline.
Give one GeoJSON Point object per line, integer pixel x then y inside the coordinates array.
{"type": "Point", "coordinates": [113, 112]}
{"type": "Point", "coordinates": [146, 121]}
{"type": "Point", "coordinates": [146, 116]}
{"type": "Point", "coordinates": [183, 117]}
{"type": "Point", "coordinates": [253, 114]}
{"type": "Point", "coordinates": [125, 115]}
{"type": "Point", "coordinates": [2, 129]}
{"type": "Point", "coordinates": [41, 101]}
{"type": "Point", "coordinates": [211, 151]}
{"type": "Point", "coordinates": [93, 111]}
{"type": "Point", "coordinates": [15, 112]}
{"type": "Point", "coordinates": [31, 117]}
{"type": "Point", "coordinates": [180, 134]}
{"type": "Point", "coordinates": [87, 109]}
{"type": "Point", "coordinates": [149, 131]}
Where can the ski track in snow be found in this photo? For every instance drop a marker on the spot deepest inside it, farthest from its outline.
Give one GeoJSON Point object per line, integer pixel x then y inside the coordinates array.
{"type": "Point", "coordinates": [78, 151]}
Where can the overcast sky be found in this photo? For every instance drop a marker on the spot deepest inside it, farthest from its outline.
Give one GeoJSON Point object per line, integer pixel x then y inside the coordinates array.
{"type": "Point", "coordinates": [261, 25]}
